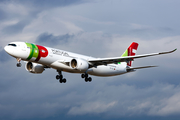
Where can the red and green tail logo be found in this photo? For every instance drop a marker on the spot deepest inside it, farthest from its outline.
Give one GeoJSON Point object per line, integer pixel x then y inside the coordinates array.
{"type": "Point", "coordinates": [131, 51]}
{"type": "Point", "coordinates": [36, 51]}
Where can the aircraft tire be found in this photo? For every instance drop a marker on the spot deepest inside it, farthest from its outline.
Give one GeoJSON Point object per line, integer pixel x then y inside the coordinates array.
{"type": "Point", "coordinates": [57, 77]}
{"type": "Point", "coordinates": [86, 75]}
{"type": "Point", "coordinates": [64, 80]}
{"type": "Point", "coordinates": [60, 81]}
{"type": "Point", "coordinates": [89, 79]}
{"type": "Point", "coordinates": [82, 75]}
{"type": "Point", "coordinates": [18, 64]}
{"type": "Point", "coordinates": [86, 79]}
{"type": "Point", "coordinates": [60, 76]}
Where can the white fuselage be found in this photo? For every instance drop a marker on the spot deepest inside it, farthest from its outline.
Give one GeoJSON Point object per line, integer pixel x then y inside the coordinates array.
{"type": "Point", "coordinates": [57, 58]}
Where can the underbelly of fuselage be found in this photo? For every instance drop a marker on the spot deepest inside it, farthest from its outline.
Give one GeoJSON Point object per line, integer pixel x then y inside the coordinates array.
{"type": "Point", "coordinates": [101, 70]}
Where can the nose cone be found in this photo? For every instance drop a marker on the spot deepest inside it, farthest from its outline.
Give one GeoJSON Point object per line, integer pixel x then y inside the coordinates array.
{"type": "Point", "coordinates": [5, 48]}
{"type": "Point", "coordinates": [9, 50]}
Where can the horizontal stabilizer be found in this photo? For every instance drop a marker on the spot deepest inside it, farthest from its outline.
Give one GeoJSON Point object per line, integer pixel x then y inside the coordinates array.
{"type": "Point", "coordinates": [133, 68]}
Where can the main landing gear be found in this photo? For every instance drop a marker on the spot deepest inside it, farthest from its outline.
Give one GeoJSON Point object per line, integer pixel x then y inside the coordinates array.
{"type": "Point", "coordinates": [87, 79]}
{"type": "Point", "coordinates": [18, 64]}
{"type": "Point", "coordinates": [63, 80]}
{"type": "Point", "coordinates": [60, 77]}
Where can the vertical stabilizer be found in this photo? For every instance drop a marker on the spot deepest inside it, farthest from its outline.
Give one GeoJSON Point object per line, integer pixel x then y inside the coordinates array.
{"type": "Point", "coordinates": [131, 51]}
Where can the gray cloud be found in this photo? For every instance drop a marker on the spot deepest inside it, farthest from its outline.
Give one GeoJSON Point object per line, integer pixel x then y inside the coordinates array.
{"type": "Point", "coordinates": [45, 3]}
{"type": "Point", "coordinates": [4, 57]}
{"type": "Point", "coordinates": [26, 19]}
{"type": "Point", "coordinates": [2, 15]}
{"type": "Point", "coordinates": [17, 28]}
{"type": "Point", "coordinates": [145, 94]}
{"type": "Point", "coordinates": [39, 96]}
{"type": "Point", "coordinates": [54, 3]}
{"type": "Point", "coordinates": [152, 32]}
{"type": "Point", "coordinates": [50, 39]}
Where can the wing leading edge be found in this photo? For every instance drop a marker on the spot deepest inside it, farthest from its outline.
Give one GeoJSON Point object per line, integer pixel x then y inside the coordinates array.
{"type": "Point", "coordinates": [105, 61]}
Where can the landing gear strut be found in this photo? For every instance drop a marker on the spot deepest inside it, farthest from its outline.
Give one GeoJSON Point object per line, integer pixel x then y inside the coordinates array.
{"type": "Point", "coordinates": [87, 79]}
{"type": "Point", "coordinates": [18, 64]}
{"type": "Point", "coordinates": [60, 77]}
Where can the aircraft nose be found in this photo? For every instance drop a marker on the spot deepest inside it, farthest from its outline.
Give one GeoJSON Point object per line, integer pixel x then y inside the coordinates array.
{"type": "Point", "coordinates": [5, 48]}
{"type": "Point", "coordinates": [9, 50]}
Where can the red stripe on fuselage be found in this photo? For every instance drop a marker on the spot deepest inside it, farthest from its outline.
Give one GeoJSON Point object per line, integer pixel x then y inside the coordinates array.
{"type": "Point", "coordinates": [43, 52]}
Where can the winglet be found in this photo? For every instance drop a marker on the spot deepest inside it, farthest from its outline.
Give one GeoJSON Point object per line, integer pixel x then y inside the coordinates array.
{"type": "Point", "coordinates": [173, 50]}
{"type": "Point", "coordinates": [168, 52]}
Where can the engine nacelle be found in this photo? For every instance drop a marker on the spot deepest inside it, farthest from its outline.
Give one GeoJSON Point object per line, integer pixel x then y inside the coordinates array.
{"type": "Point", "coordinates": [79, 64]}
{"type": "Point", "coordinates": [34, 67]}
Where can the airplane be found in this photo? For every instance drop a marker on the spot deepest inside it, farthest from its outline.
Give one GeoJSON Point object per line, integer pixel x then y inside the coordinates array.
{"type": "Point", "coordinates": [38, 58]}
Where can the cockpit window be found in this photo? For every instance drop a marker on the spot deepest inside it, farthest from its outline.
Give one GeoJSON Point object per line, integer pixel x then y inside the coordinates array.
{"type": "Point", "coordinates": [12, 45]}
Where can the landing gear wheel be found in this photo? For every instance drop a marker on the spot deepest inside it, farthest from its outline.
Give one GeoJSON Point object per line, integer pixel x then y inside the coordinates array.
{"type": "Point", "coordinates": [57, 77]}
{"type": "Point", "coordinates": [86, 75]}
{"type": "Point", "coordinates": [89, 79]}
{"type": "Point", "coordinates": [60, 77]}
{"type": "Point", "coordinates": [83, 76]}
{"type": "Point", "coordinates": [86, 80]}
{"type": "Point", "coordinates": [64, 80]}
{"type": "Point", "coordinates": [60, 81]}
{"type": "Point", "coordinates": [18, 64]}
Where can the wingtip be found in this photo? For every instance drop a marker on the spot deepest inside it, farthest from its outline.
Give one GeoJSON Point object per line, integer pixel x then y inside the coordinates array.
{"type": "Point", "coordinates": [174, 50]}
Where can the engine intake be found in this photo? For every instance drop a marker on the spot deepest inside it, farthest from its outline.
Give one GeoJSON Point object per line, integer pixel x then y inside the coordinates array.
{"type": "Point", "coordinates": [79, 64]}
{"type": "Point", "coordinates": [34, 67]}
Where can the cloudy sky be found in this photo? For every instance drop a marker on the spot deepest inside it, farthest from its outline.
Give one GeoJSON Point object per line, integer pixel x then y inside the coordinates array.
{"type": "Point", "coordinates": [99, 28]}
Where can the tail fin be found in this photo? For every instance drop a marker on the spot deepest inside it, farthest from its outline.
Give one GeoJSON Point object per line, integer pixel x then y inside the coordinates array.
{"type": "Point", "coordinates": [131, 51]}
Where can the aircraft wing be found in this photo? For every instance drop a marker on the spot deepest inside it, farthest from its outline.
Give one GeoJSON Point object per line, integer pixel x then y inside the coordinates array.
{"type": "Point", "coordinates": [105, 61]}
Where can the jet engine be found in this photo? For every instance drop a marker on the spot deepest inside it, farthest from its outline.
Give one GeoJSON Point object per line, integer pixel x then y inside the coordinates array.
{"type": "Point", "coordinates": [34, 67]}
{"type": "Point", "coordinates": [79, 64]}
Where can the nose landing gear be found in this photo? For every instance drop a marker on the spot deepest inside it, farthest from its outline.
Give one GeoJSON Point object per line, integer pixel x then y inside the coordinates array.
{"type": "Point", "coordinates": [87, 79]}
{"type": "Point", "coordinates": [18, 64]}
{"type": "Point", "coordinates": [60, 77]}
